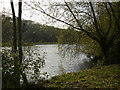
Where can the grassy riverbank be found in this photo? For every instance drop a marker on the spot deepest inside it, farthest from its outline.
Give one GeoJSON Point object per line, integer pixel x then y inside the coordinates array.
{"type": "Point", "coordinates": [96, 77]}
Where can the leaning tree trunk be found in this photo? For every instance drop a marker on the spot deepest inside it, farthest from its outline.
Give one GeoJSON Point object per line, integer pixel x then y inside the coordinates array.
{"type": "Point", "coordinates": [14, 48]}
{"type": "Point", "coordinates": [14, 29]}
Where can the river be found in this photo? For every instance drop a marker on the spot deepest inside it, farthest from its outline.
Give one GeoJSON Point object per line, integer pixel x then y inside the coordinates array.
{"type": "Point", "coordinates": [55, 63]}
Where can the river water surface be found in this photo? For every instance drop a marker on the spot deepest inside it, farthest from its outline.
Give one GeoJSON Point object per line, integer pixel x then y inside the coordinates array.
{"type": "Point", "coordinates": [56, 63]}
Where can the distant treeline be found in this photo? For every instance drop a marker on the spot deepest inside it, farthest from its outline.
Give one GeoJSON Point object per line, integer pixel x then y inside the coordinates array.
{"type": "Point", "coordinates": [31, 31]}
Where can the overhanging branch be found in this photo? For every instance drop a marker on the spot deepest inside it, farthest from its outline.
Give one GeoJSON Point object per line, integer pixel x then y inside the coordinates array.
{"type": "Point", "coordinates": [80, 29]}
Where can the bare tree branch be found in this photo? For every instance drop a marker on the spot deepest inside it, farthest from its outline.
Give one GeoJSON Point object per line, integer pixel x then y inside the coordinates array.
{"type": "Point", "coordinates": [81, 29]}
{"type": "Point", "coordinates": [113, 13]}
{"type": "Point", "coordinates": [97, 26]}
{"type": "Point", "coordinates": [110, 19]}
{"type": "Point", "coordinates": [85, 31]}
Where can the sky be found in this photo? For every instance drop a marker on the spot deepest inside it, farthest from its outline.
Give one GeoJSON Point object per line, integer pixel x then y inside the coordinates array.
{"type": "Point", "coordinates": [27, 13]}
{"type": "Point", "coordinates": [34, 15]}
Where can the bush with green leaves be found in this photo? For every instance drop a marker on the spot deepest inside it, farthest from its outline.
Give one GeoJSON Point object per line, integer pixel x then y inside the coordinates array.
{"type": "Point", "coordinates": [30, 66]}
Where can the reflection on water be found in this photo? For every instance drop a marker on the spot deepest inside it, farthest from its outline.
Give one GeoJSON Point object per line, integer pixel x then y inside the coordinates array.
{"type": "Point", "coordinates": [56, 64]}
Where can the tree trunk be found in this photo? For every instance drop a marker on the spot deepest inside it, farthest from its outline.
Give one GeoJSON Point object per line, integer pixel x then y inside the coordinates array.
{"type": "Point", "coordinates": [14, 29]}
{"type": "Point", "coordinates": [14, 48]}
{"type": "Point", "coordinates": [19, 39]}
{"type": "Point", "coordinates": [105, 51]}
